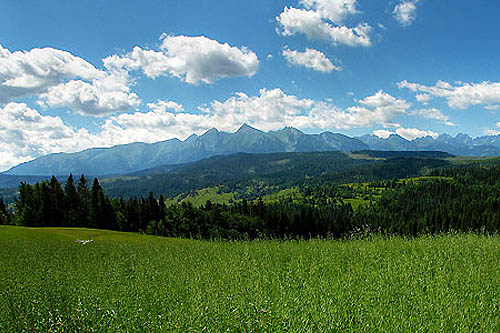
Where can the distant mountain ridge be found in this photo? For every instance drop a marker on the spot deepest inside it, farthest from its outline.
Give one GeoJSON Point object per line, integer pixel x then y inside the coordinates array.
{"type": "Point", "coordinates": [461, 144]}
{"type": "Point", "coordinates": [134, 157]}
{"type": "Point", "coordinates": [139, 156]}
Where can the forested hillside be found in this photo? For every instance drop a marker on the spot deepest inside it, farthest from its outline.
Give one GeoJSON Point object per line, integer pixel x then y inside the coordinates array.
{"type": "Point", "coordinates": [390, 200]}
{"type": "Point", "coordinates": [254, 175]}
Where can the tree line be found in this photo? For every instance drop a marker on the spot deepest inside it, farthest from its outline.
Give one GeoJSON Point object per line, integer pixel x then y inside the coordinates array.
{"type": "Point", "coordinates": [460, 199]}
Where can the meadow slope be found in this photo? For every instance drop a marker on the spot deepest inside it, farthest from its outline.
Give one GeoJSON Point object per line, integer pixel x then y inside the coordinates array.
{"type": "Point", "coordinates": [131, 282]}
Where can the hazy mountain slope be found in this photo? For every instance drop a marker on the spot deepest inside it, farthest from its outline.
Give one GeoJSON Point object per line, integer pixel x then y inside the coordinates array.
{"type": "Point", "coordinates": [12, 181]}
{"type": "Point", "coordinates": [103, 161]}
{"type": "Point", "coordinates": [134, 157]}
{"type": "Point", "coordinates": [462, 144]}
{"type": "Point", "coordinates": [138, 156]}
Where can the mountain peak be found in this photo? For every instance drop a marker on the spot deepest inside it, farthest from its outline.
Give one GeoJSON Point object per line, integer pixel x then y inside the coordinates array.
{"type": "Point", "coordinates": [290, 129]}
{"type": "Point", "coordinates": [211, 132]}
{"type": "Point", "coordinates": [463, 137]}
{"type": "Point", "coordinates": [395, 136]}
{"type": "Point", "coordinates": [245, 128]}
{"type": "Point", "coordinates": [192, 137]}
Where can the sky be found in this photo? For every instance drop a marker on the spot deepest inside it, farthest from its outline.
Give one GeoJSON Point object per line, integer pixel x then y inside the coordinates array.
{"type": "Point", "coordinates": [76, 75]}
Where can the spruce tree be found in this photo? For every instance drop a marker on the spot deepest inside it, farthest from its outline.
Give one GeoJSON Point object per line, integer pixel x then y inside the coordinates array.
{"type": "Point", "coordinates": [4, 214]}
{"type": "Point", "coordinates": [56, 203]}
{"type": "Point", "coordinates": [71, 202]}
{"type": "Point", "coordinates": [97, 203]}
{"type": "Point", "coordinates": [83, 203]}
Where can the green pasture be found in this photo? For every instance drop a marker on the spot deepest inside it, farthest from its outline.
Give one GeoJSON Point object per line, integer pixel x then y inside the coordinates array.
{"type": "Point", "coordinates": [132, 282]}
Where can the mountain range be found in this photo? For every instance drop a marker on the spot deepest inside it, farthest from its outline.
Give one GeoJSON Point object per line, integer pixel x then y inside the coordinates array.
{"type": "Point", "coordinates": [133, 157]}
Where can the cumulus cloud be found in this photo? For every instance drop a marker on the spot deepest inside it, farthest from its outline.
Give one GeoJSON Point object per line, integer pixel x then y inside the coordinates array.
{"type": "Point", "coordinates": [383, 134]}
{"type": "Point", "coordinates": [405, 12]}
{"type": "Point", "coordinates": [27, 134]}
{"type": "Point", "coordinates": [380, 108]}
{"type": "Point", "coordinates": [493, 107]}
{"type": "Point", "coordinates": [423, 98]}
{"type": "Point", "coordinates": [270, 110]}
{"type": "Point", "coordinates": [459, 96]}
{"type": "Point", "coordinates": [162, 106]}
{"type": "Point", "coordinates": [333, 10]}
{"type": "Point", "coordinates": [435, 114]}
{"type": "Point", "coordinates": [191, 59]}
{"type": "Point", "coordinates": [60, 79]}
{"type": "Point", "coordinates": [26, 73]}
{"type": "Point", "coordinates": [100, 98]}
{"type": "Point", "coordinates": [154, 126]}
{"type": "Point", "coordinates": [492, 131]}
{"type": "Point", "coordinates": [274, 109]}
{"type": "Point", "coordinates": [415, 133]}
{"type": "Point", "coordinates": [311, 58]}
{"type": "Point", "coordinates": [314, 25]}
{"type": "Point", "coordinates": [407, 133]}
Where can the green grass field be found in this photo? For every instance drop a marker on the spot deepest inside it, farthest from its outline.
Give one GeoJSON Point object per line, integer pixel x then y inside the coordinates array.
{"type": "Point", "coordinates": [130, 282]}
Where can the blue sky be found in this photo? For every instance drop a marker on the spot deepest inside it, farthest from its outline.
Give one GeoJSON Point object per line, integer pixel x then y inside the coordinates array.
{"type": "Point", "coordinates": [75, 75]}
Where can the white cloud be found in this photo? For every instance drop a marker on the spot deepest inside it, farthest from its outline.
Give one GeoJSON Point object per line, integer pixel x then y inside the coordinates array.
{"type": "Point", "coordinates": [433, 113]}
{"type": "Point", "coordinates": [405, 12]}
{"type": "Point", "coordinates": [270, 110]}
{"type": "Point", "coordinates": [380, 108]}
{"type": "Point", "coordinates": [274, 109]}
{"type": "Point", "coordinates": [383, 134]}
{"type": "Point", "coordinates": [27, 134]}
{"type": "Point", "coordinates": [312, 24]}
{"type": "Point", "coordinates": [25, 73]}
{"type": "Point", "coordinates": [191, 59]}
{"type": "Point", "coordinates": [311, 58]}
{"type": "Point", "coordinates": [491, 132]}
{"type": "Point", "coordinates": [423, 98]}
{"type": "Point", "coordinates": [333, 10]}
{"type": "Point", "coordinates": [153, 126]}
{"type": "Point", "coordinates": [100, 98]}
{"type": "Point", "coordinates": [391, 125]}
{"type": "Point", "coordinates": [407, 133]}
{"type": "Point", "coordinates": [461, 96]}
{"type": "Point", "coordinates": [415, 133]}
{"type": "Point", "coordinates": [162, 106]}
{"type": "Point", "coordinates": [60, 79]}
{"type": "Point", "coordinates": [493, 107]}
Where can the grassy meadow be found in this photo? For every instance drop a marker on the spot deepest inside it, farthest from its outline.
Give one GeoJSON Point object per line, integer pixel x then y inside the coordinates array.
{"type": "Point", "coordinates": [131, 282]}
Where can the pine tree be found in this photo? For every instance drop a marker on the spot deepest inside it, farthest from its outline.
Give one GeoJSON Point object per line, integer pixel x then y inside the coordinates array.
{"type": "Point", "coordinates": [56, 203]}
{"type": "Point", "coordinates": [83, 203]}
{"type": "Point", "coordinates": [97, 204]}
{"type": "Point", "coordinates": [71, 202]}
{"type": "Point", "coordinates": [4, 214]}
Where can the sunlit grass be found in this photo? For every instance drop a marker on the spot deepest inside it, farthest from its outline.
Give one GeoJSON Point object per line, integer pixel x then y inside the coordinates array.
{"type": "Point", "coordinates": [133, 282]}
{"type": "Point", "coordinates": [200, 197]}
